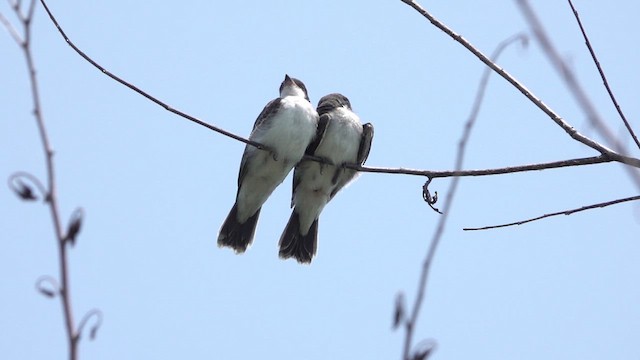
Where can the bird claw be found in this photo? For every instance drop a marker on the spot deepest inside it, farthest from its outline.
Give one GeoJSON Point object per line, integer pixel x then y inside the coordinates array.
{"type": "Point", "coordinates": [324, 163]}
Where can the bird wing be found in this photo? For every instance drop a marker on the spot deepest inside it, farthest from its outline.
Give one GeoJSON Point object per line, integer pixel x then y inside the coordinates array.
{"type": "Point", "coordinates": [365, 143]}
{"type": "Point", "coordinates": [363, 152]}
{"type": "Point", "coordinates": [267, 113]}
{"type": "Point", "coordinates": [263, 120]}
{"type": "Point", "coordinates": [323, 123]}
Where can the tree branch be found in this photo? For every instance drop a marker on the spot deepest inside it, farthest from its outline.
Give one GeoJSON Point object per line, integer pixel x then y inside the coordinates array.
{"type": "Point", "coordinates": [497, 171]}
{"type": "Point", "coordinates": [573, 133]}
{"type": "Point", "coordinates": [12, 31]}
{"type": "Point", "coordinates": [564, 212]}
{"type": "Point", "coordinates": [433, 174]}
{"type": "Point", "coordinates": [145, 94]}
{"type": "Point", "coordinates": [439, 231]}
{"type": "Point", "coordinates": [575, 88]}
{"type": "Point", "coordinates": [49, 192]}
{"type": "Point", "coordinates": [602, 76]}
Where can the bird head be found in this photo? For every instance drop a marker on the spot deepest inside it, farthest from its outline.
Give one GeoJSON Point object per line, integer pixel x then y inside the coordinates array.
{"type": "Point", "coordinates": [293, 87]}
{"type": "Point", "coordinates": [333, 101]}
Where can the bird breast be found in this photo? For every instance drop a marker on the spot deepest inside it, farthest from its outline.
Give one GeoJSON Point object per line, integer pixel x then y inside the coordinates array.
{"type": "Point", "coordinates": [292, 128]}
{"type": "Point", "coordinates": [341, 139]}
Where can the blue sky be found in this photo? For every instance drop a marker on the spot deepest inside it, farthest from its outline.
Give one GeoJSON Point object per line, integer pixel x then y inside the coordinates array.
{"type": "Point", "coordinates": [156, 188]}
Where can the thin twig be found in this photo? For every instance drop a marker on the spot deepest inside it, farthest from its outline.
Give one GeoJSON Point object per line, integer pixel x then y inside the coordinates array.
{"type": "Point", "coordinates": [31, 9]}
{"type": "Point", "coordinates": [564, 212]}
{"type": "Point", "coordinates": [496, 171]}
{"type": "Point", "coordinates": [439, 231]}
{"type": "Point", "coordinates": [12, 31]}
{"type": "Point", "coordinates": [575, 88]}
{"type": "Point", "coordinates": [145, 94]}
{"type": "Point", "coordinates": [603, 77]}
{"type": "Point", "coordinates": [93, 313]}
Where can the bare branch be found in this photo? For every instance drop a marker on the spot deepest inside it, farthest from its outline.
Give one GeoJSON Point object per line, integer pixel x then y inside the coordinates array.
{"type": "Point", "coordinates": [31, 9]}
{"type": "Point", "coordinates": [49, 192]}
{"type": "Point", "coordinates": [602, 75]}
{"type": "Point", "coordinates": [145, 94]}
{"type": "Point", "coordinates": [23, 190]}
{"type": "Point", "coordinates": [12, 31]}
{"type": "Point", "coordinates": [573, 133]}
{"type": "Point", "coordinates": [575, 88]}
{"type": "Point", "coordinates": [439, 231]}
{"type": "Point", "coordinates": [51, 290]}
{"type": "Point", "coordinates": [497, 171]}
{"type": "Point", "coordinates": [94, 313]}
{"type": "Point", "coordinates": [565, 212]}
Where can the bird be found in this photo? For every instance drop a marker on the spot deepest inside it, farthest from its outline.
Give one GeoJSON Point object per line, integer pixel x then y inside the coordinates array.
{"type": "Point", "coordinates": [286, 126]}
{"type": "Point", "coordinates": [341, 138]}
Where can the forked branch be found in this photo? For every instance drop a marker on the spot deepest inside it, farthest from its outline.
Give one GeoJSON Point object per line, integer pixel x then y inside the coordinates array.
{"type": "Point", "coordinates": [572, 132]}
{"type": "Point", "coordinates": [603, 76]}
{"type": "Point", "coordinates": [606, 154]}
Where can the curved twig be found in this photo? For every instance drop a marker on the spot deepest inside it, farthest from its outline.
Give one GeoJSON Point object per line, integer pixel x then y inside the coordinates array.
{"type": "Point", "coordinates": [95, 313]}
{"type": "Point", "coordinates": [575, 89]}
{"type": "Point", "coordinates": [424, 349]}
{"type": "Point", "coordinates": [145, 94]}
{"type": "Point", "coordinates": [439, 231]}
{"type": "Point", "coordinates": [603, 76]}
{"type": "Point", "coordinates": [431, 200]}
{"type": "Point", "coordinates": [564, 212]}
{"type": "Point", "coordinates": [16, 184]}
{"type": "Point", "coordinates": [45, 291]}
{"type": "Point", "coordinates": [572, 132]}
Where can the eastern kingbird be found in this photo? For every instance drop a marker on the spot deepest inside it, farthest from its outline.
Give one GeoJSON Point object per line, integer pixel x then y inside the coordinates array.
{"type": "Point", "coordinates": [340, 139]}
{"type": "Point", "coordinates": [287, 125]}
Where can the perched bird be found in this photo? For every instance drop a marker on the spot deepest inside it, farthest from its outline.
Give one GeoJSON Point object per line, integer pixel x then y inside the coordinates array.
{"type": "Point", "coordinates": [286, 126]}
{"type": "Point", "coordinates": [340, 139]}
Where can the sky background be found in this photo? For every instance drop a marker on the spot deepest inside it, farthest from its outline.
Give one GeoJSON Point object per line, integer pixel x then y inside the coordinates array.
{"type": "Point", "coordinates": [156, 188]}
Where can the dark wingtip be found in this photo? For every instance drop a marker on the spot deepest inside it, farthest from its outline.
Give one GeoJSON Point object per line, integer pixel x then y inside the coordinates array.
{"type": "Point", "coordinates": [295, 245]}
{"type": "Point", "coordinates": [235, 235]}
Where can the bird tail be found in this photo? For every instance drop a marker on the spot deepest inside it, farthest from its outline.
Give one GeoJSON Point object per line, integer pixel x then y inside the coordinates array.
{"type": "Point", "coordinates": [236, 235]}
{"type": "Point", "coordinates": [293, 244]}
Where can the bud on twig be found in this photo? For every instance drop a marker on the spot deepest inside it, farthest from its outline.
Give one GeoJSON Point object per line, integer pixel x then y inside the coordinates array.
{"type": "Point", "coordinates": [74, 226]}
{"type": "Point", "coordinates": [50, 290]}
{"type": "Point", "coordinates": [424, 349]}
{"type": "Point", "coordinates": [24, 191]}
{"type": "Point", "coordinates": [398, 315]}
